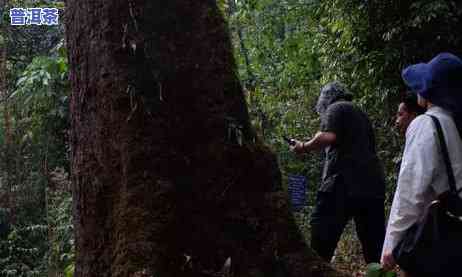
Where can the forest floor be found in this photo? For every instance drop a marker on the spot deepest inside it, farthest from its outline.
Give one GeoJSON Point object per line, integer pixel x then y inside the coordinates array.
{"type": "Point", "coordinates": [348, 256]}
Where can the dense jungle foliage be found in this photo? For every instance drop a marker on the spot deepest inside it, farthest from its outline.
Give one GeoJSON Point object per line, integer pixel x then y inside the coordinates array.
{"type": "Point", "coordinates": [286, 50]}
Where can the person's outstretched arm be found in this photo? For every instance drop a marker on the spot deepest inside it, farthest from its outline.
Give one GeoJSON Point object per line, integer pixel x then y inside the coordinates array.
{"type": "Point", "coordinates": [319, 141]}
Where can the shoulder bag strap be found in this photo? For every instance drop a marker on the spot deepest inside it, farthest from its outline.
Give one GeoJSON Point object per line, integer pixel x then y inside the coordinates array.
{"type": "Point", "coordinates": [444, 149]}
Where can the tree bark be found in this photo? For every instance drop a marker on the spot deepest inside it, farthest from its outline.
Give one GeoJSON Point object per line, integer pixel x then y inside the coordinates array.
{"type": "Point", "coordinates": [168, 177]}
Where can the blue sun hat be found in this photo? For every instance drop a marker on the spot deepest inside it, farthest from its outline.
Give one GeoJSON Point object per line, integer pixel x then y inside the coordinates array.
{"type": "Point", "coordinates": [439, 81]}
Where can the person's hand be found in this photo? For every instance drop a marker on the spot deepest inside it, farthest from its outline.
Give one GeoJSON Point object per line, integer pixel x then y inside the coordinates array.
{"type": "Point", "coordinates": [297, 147]}
{"type": "Point", "coordinates": [388, 262]}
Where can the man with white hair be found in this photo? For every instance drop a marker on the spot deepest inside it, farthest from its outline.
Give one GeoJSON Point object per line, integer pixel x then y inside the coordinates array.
{"type": "Point", "coordinates": [353, 183]}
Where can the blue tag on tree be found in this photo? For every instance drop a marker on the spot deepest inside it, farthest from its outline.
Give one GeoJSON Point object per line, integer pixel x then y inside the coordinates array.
{"type": "Point", "coordinates": [297, 186]}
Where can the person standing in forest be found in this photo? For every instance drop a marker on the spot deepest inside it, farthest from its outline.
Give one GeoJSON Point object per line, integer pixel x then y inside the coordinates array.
{"type": "Point", "coordinates": [423, 175]}
{"type": "Point", "coordinates": [408, 109]}
{"type": "Point", "coordinates": [353, 183]}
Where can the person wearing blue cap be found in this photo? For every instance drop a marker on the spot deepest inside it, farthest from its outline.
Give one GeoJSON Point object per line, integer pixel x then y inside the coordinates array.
{"type": "Point", "coordinates": [422, 177]}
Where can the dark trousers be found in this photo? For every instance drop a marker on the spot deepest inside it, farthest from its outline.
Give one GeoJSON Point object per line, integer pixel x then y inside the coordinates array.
{"type": "Point", "coordinates": [332, 212]}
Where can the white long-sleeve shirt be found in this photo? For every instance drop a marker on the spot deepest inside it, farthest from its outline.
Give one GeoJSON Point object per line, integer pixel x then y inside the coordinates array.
{"type": "Point", "coordinates": [422, 174]}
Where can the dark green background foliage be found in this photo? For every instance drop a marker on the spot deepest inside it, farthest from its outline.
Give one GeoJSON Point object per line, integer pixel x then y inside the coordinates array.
{"type": "Point", "coordinates": [285, 49]}
{"type": "Point", "coordinates": [34, 190]}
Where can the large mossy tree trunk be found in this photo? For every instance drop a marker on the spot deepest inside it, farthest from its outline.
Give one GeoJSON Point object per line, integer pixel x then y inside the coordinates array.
{"type": "Point", "coordinates": [168, 178]}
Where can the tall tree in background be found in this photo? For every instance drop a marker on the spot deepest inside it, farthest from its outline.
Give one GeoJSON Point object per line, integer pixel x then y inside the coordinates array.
{"type": "Point", "coordinates": [168, 177]}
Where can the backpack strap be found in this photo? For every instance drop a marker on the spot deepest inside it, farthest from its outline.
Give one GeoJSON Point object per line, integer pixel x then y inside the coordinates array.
{"type": "Point", "coordinates": [447, 161]}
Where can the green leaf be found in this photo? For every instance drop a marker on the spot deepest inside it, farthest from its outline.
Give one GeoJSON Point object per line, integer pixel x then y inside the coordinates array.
{"type": "Point", "coordinates": [69, 271]}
